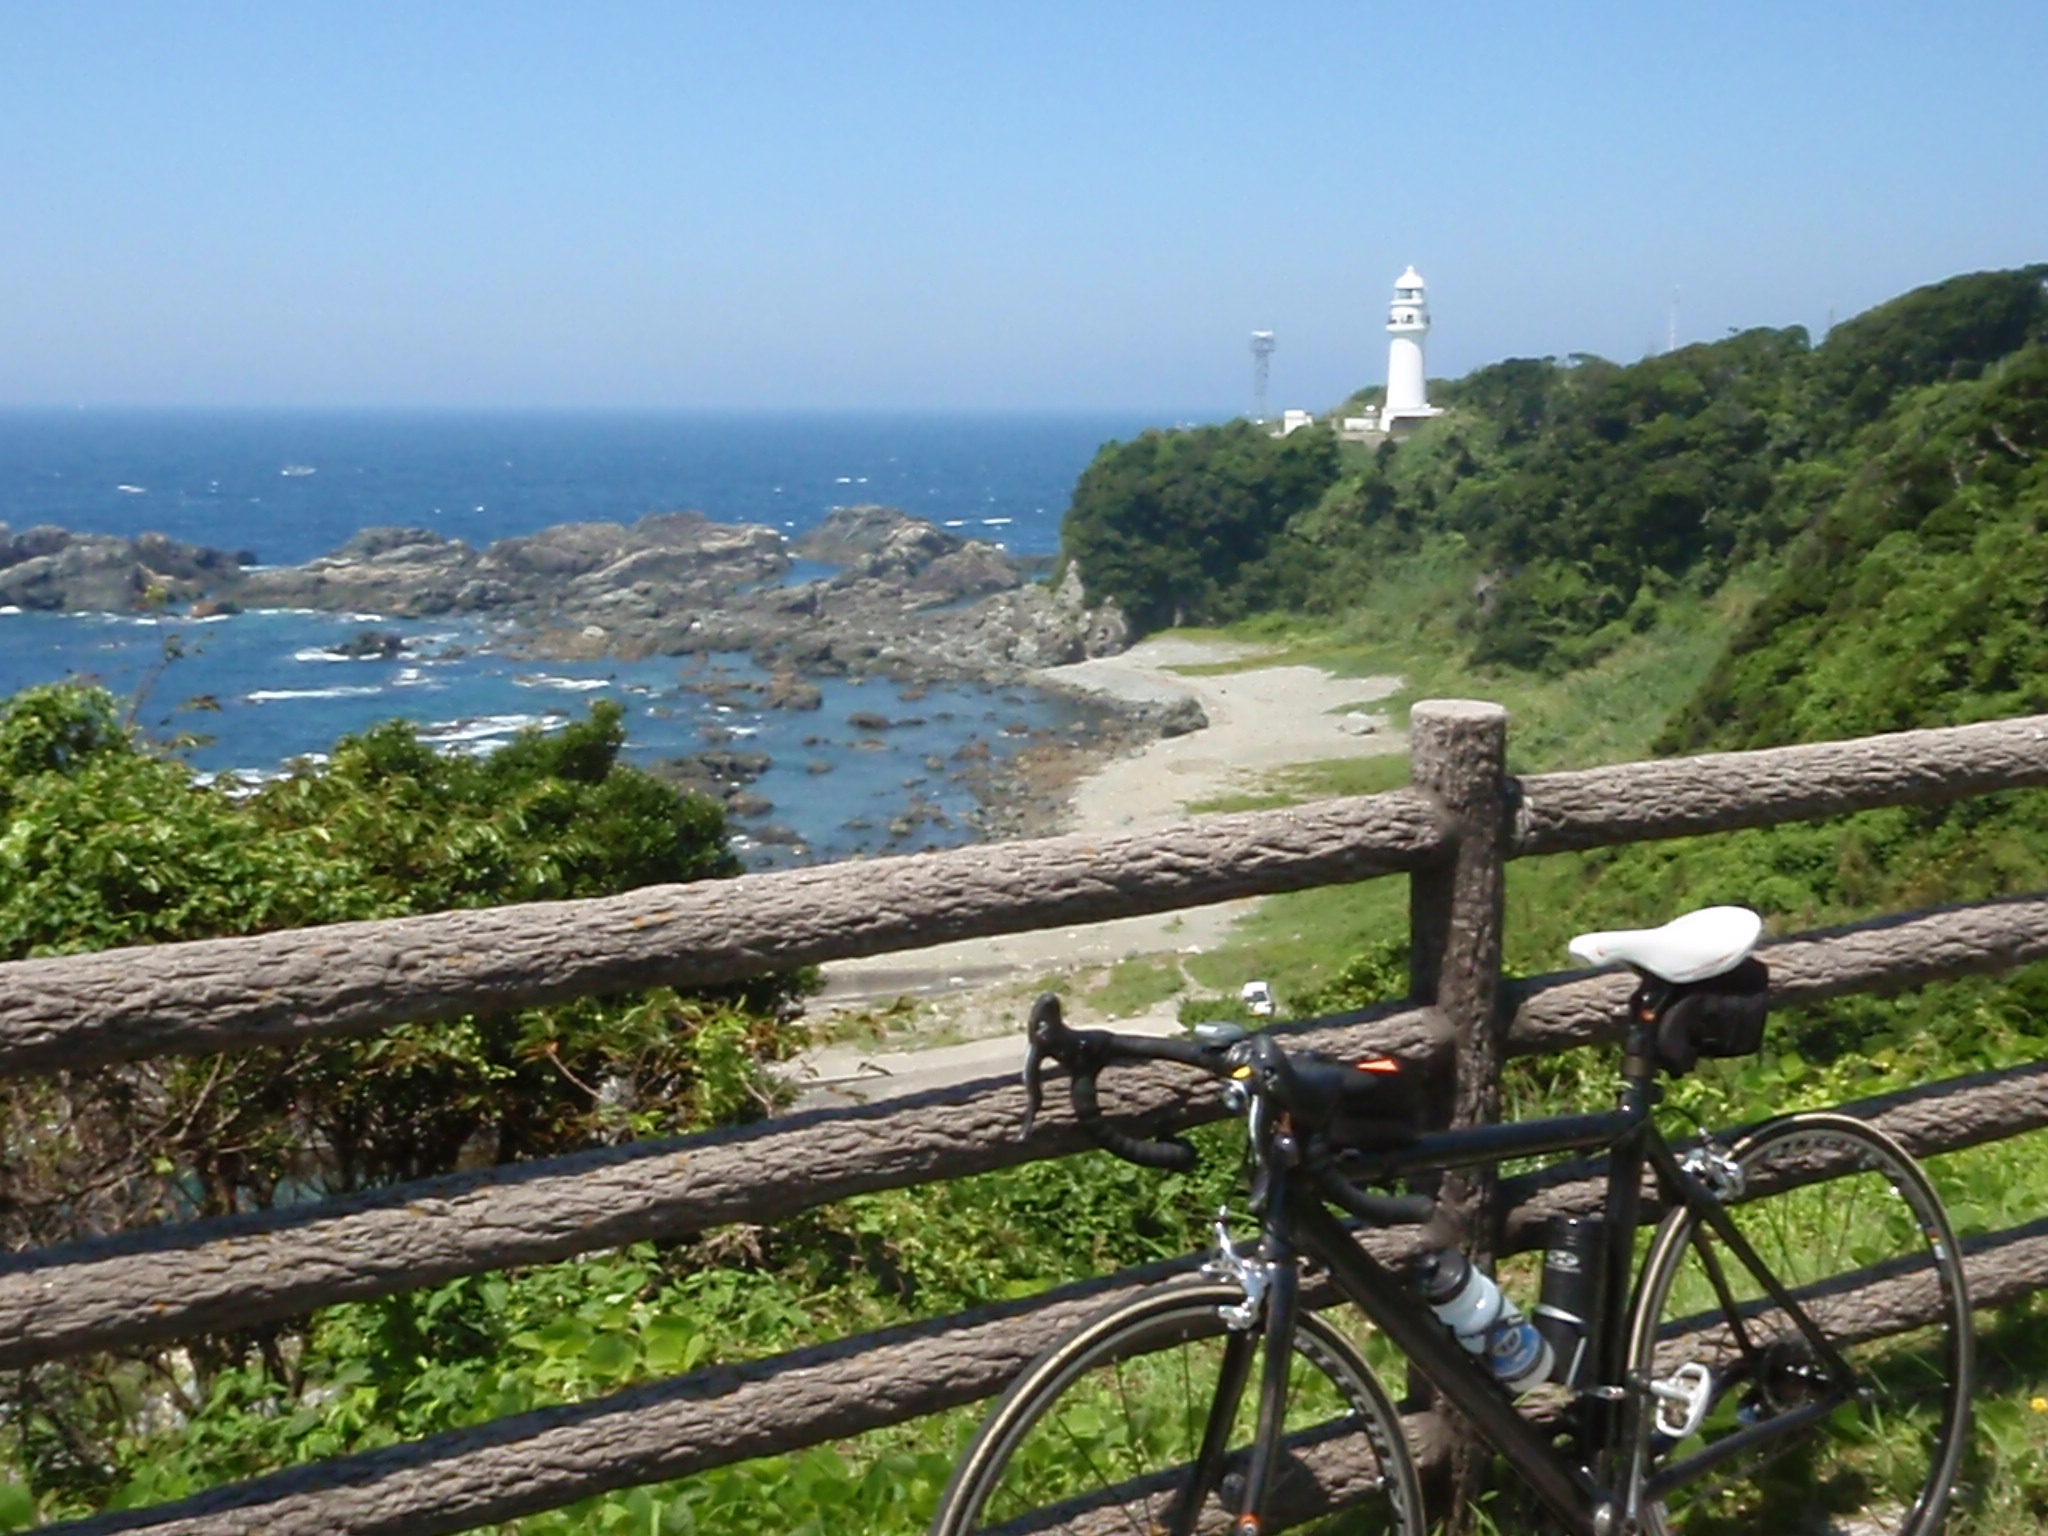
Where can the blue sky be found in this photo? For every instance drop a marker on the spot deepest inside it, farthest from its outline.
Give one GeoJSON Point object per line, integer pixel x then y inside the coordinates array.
{"type": "Point", "coordinates": [984, 205]}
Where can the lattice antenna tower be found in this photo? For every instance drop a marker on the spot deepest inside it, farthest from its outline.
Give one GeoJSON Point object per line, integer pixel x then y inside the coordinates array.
{"type": "Point", "coordinates": [1262, 368]}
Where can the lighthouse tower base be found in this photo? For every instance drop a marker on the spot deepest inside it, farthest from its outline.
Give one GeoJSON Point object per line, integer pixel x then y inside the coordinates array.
{"type": "Point", "coordinates": [1404, 425]}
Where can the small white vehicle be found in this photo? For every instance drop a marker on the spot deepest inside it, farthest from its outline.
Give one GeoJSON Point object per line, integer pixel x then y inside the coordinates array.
{"type": "Point", "coordinates": [1257, 998]}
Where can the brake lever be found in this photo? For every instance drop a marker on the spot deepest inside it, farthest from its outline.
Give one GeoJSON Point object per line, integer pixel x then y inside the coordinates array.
{"type": "Point", "coordinates": [1046, 1026]}
{"type": "Point", "coordinates": [1034, 1063]}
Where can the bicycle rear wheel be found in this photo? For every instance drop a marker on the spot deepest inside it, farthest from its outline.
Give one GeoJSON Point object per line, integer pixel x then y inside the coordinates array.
{"type": "Point", "coordinates": [1102, 1433]}
{"type": "Point", "coordinates": [1851, 1229]}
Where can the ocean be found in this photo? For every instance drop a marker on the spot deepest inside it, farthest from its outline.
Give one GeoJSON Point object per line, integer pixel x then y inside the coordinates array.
{"type": "Point", "coordinates": [249, 692]}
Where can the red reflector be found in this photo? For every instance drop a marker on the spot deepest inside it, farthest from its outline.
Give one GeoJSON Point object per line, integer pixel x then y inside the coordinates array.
{"type": "Point", "coordinates": [1377, 1064]}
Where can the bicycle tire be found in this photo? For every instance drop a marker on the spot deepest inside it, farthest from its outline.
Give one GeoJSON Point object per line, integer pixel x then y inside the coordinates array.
{"type": "Point", "coordinates": [1091, 1436]}
{"type": "Point", "coordinates": [1883, 1461]}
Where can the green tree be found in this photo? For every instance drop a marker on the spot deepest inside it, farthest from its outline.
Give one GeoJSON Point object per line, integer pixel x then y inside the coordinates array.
{"type": "Point", "coordinates": [1166, 524]}
{"type": "Point", "coordinates": [108, 842]}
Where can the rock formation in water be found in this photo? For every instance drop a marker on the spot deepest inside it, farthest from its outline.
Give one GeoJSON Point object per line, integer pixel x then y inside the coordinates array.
{"type": "Point", "coordinates": [57, 570]}
{"type": "Point", "coordinates": [909, 600]}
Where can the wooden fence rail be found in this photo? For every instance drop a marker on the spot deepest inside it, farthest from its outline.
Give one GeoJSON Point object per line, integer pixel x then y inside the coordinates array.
{"type": "Point", "coordinates": [1453, 830]}
{"type": "Point", "coordinates": [354, 978]}
{"type": "Point", "coordinates": [165, 1282]}
{"type": "Point", "coordinates": [716, 1417]}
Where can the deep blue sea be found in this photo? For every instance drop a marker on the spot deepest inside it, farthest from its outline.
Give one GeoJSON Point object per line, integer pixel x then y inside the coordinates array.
{"type": "Point", "coordinates": [259, 689]}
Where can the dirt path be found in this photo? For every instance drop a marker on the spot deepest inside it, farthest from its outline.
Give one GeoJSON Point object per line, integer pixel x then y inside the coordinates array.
{"type": "Point", "coordinates": [1260, 720]}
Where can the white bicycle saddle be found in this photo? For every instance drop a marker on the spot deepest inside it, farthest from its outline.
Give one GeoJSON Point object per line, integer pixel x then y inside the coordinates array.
{"type": "Point", "coordinates": [1689, 948]}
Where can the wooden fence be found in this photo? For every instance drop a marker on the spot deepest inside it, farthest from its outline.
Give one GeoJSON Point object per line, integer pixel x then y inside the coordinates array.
{"type": "Point", "coordinates": [1451, 831]}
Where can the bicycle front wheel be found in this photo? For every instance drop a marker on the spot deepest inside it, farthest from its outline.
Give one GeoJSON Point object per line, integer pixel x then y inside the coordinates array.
{"type": "Point", "coordinates": [1853, 1420]}
{"type": "Point", "coordinates": [1104, 1433]}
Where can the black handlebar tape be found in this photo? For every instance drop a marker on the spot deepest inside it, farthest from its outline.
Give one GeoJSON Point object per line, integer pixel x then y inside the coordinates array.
{"type": "Point", "coordinates": [1189, 1053]}
{"type": "Point", "coordinates": [1171, 1154]}
{"type": "Point", "coordinates": [1380, 1210]}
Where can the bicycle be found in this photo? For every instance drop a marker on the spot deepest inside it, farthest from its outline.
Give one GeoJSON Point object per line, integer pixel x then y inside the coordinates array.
{"type": "Point", "coordinates": [1795, 1355]}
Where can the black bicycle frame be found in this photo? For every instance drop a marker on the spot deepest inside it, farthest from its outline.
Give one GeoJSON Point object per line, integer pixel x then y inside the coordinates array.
{"type": "Point", "coordinates": [1632, 1143]}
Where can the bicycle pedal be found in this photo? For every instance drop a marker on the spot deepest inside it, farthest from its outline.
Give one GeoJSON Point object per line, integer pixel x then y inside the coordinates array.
{"type": "Point", "coordinates": [1682, 1401]}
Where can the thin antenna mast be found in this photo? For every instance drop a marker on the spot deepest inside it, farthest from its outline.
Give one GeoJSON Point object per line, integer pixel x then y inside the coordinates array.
{"type": "Point", "coordinates": [1262, 363]}
{"type": "Point", "coordinates": [1671, 333]}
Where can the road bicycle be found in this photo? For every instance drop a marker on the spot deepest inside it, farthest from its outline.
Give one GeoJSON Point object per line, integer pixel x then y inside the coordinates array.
{"type": "Point", "coordinates": [1787, 1348]}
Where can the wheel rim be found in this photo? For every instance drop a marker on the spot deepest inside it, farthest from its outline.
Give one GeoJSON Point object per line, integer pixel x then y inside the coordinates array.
{"type": "Point", "coordinates": [1864, 1253]}
{"type": "Point", "coordinates": [1111, 1452]}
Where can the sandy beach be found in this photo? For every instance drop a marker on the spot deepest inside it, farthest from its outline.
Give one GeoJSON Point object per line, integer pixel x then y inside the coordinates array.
{"type": "Point", "coordinates": [971, 996]}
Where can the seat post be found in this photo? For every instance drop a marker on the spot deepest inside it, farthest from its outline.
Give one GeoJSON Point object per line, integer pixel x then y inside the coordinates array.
{"type": "Point", "coordinates": [1639, 1038]}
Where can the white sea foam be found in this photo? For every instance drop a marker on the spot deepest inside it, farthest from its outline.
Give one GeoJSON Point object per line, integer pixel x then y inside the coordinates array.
{"type": "Point", "coordinates": [277, 695]}
{"type": "Point", "coordinates": [9, 608]}
{"type": "Point", "coordinates": [995, 522]}
{"type": "Point", "coordinates": [486, 728]}
{"type": "Point", "coordinates": [320, 653]}
{"type": "Point", "coordinates": [572, 684]}
{"type": "Point", "coordinates": [132, 490]}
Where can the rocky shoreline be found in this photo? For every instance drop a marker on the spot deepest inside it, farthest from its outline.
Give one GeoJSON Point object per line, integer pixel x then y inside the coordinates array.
{"type": "Point", "coordinates": [909, 602]}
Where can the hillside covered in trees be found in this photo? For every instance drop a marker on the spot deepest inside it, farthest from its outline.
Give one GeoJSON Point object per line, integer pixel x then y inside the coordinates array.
{"type": "Point", "coordinates": [1579, 491]}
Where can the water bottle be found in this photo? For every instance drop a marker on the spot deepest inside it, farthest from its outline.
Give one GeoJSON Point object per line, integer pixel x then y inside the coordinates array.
{"type": "Point", "coordinates": [1574, 1266]}
{"type": "Point", "coordinates": [1466, 1301]}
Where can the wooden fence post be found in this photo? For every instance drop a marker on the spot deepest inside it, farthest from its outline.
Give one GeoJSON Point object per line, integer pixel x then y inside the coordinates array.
{"type": "Point", "coordinates": [1458, 753]}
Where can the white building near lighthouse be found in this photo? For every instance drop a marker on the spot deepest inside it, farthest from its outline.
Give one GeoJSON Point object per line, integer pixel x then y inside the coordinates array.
{"type": "Point", "coordinates": [1407, 378]}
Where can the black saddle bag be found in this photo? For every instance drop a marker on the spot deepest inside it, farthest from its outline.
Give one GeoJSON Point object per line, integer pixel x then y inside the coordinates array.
{"type": "Point", "coordinates": [1721, 1016]}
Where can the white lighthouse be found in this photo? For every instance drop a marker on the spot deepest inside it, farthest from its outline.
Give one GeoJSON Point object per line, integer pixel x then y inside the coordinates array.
{"type": "Point", "coordinates": [1407, 381]}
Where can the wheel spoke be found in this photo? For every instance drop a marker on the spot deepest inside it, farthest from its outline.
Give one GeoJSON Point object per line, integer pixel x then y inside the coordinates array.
{"type": "Point", "coordinates": [1866, 1274]}
{"type": "Point", "coordinates": [1076, 1450]}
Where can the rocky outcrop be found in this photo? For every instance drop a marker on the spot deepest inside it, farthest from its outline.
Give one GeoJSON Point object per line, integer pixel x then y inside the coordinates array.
{"type": "Point", "coordinates": [57, 570]}
{"type": "Point", "coordinates": [883, 544]}
{"type": "Point", "coordinates": [580, 573]}
{"type": "Point", "coordinates": [370, 645]}
{"type": "Point", "coordinates": [915, 620]}
{"type": "Point", "coordinates": [911, 600]}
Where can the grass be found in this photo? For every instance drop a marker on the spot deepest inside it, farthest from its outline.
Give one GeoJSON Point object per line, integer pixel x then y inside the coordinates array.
{"type": "Point", "coordinates": [1608, 712]}
{"type": "Point", "coordinates": [874, 1025]}
{"type": "Point", "coordinates": [1136, 986]}
{"type": "Point", "coordinates": [1315, 781]}
{"type": "Point", "coordinates": [1604, 713]}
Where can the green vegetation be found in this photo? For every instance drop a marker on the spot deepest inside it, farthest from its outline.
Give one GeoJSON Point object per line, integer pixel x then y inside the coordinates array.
{"type": "Point", "coordinates": [1745, 542]}
{"type": "Point", "coordinates": [1886, 573]}
{"type": "Point", "coordinates": [1135, 986]}
{"type": "Point", "coordinates": [106, 841]}
{"type": "Point", "coordinates": [1925, 579]}
{"type": "Point", "coordinates": [1315, 781]}
{"type": "Point", "coordinates": [1170, 524]}
{"type": "Point", "coordinates": [1580, 494]}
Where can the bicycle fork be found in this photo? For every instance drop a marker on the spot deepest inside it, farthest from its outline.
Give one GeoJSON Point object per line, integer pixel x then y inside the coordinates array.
{"type": "Point", "coordinates": [1272, 1284]}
